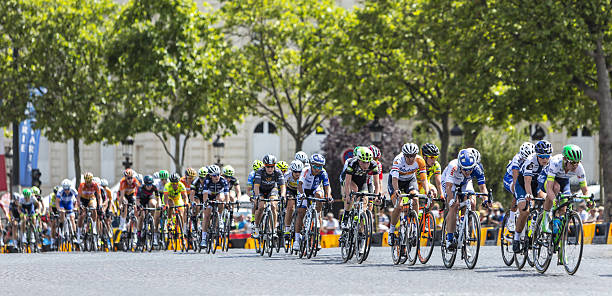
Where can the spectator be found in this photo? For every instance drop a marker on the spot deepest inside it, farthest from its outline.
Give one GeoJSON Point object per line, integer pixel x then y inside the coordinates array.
{"type": "Point", "coordinates": [383, 222]}
{"type": "Point", "coordinates": [497, 217]}
{"type": "Point", "coordinates": [484, 217]}
{"type": "Point", "coordinates": [592, 217]}
{"type": "Point", "coordinates": [600, 214]}
{"type": "Point", "coordinates": [330, 225]}
{"type": "Point", "coordinates": [240, 224]}
{"type": "Point", "coordinates": [248, 228]}
{"type": "Point", "coordinates": [582, 212]}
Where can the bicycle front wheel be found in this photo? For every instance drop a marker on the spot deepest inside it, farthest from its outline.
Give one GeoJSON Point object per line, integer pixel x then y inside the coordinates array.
{"type": "Point", "coordinates": [427, 237]}
{"type": "Point", "coordinates": [269, 233]}
{"type": "Point", "coordinates": [542, 246]}
{"type": "Point", "coordinates": [448, 256]}
{"type": "Point", "coordinates": [471, 247]}
{"type": "Point", "coordinates": [365, 236]}
{"type": "Point", "coordinates": [412, 243]}
{"type": "Point", "coordinates": [572, 243]}
{"type": "Point", "coordinates": [505, 242]}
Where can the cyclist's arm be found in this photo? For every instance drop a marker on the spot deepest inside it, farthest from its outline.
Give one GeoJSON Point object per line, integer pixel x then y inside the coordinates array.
{"type": "Point", "coordinates": [527, 185]}
{"type": "Point", "coordinates": [256, 189]}
{"type": "Point", "coordinates": [183, 195]}
{"type": "Point", "coordinates": [237, 190]}
{"type": "Point", "coordinates": [515, 173]}
{"type": "Point", "coordinates": [376, 185]}
{"type": "Point", "coordinates": [327, 190]}
{"type": "Point", "coordinates": [438, 181]}
{"type": "Point", "coordinates": [348, 179]}
{"type": "Point", "coordinates": [283, 190]}
{"type": "Point", "coordinates": [550, 184]}
{"type": "Point", "coordinates": [450, 195]}
{"type": "Point", "coordinates": [395, 184]}
{"type": "Point", "coordinates": [300, 187]}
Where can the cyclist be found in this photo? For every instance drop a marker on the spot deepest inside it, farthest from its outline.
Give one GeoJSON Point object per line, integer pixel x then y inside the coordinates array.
{"type": "Point", "coordinates": [162, 181]}
{"type": "Point", "coordinates": [303, 158]}
{"type": "Point", "coordinates": [228, 175]}
{"type": "Point", "coordinates": [197, 187]}
{"type": "Point", "coordinates": [108, 205]}
{"type": "Point", "coordinates": [407, 172]}
{"type": "Point", "coordinates": [282, 166]}
{"type": "Point", "coordinates": [310, 185]}
{"type": "Point", "coordinates": [215, 188]}
{"type": "Point", "coordinates": [356, 178]}
{"type": "Point", "coordinates": [190, 175]}
{"type": "Point", "coordinates": [528, 186]}
{"type": "Point", "coordinates": [53, 210]}
{"type": "Point", "coordinates": [88, 197]}
{"type": "Point", "coordinates": [430, 153]}
{"type": "Point", "coordinates": [36, 193]}
{"type": "Point", "coordinates": [175, 194]}
{"type": "Point", "coordinates": [377, 155]}
{"type": "Point", "coordinates": [560, 169]}
{"type": "Point", "coordinates": [257, 164]}
{"type": "Point", "coordinates": [66, 196]}
{"type": "Point", "coordinates": [265, 184]}
{"type": "Point", "coordinates": [512, 172]}
{"type": "Point", "coordinates": [127, 191]}
{"type": "Point", "coordinates": [29, 206]}
{"type": "Point", "coordinates": [457, 176]}
{"type": "Point", "coordinates": [148, 196]}
{"type": "Point", "coordinates": [291, 180]}
{"type": "Point", "coordinates": [14, 217]}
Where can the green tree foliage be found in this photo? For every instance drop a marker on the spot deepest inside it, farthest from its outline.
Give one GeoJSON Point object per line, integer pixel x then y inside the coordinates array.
{"type": "Point", "coordinates": [170, 65]}
{"type": "Point", "coordinates": [286, 61]}
{"type": "Point", "coordinates": [68, 57]}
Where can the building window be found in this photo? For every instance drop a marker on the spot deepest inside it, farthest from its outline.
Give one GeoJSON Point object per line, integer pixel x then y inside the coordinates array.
{"type": "Point", "coordinates": [259, 129]}
{"type": "Point", "coordinates": [271, 128]}
{"type": "Point", "coordinates": [586, 132]}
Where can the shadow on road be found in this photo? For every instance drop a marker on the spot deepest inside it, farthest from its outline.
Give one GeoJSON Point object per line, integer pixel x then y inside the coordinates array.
{"type": "Point", "coordinates": [525, 274]}
{"type": "Point", "coordinates": [422, 267]}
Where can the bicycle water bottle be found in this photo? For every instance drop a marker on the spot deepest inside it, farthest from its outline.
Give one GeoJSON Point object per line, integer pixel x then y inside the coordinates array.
{"type": "Point", "coordinates": [556, 225]}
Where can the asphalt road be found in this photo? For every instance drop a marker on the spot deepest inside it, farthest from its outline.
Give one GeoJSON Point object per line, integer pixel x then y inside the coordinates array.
{"type": "Point", "coordinates": [243, 272]}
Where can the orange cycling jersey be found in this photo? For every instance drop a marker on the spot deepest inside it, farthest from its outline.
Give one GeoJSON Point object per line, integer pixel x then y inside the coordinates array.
{"type": "Point", "coordinates": [129, 187]}
{"type": "Point", "coordinates": [89, 191]}
{"type": "Point", "coordinates": [186, 183]}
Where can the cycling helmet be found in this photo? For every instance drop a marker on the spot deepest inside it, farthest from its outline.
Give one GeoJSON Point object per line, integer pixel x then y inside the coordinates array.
{"type": "Point", "coordinates": [163, 174]}
{"type": "Point", "coordinates": [214, 170]}
{"type": "Point", "coordinates": [88, 177]}
{"type": "Point", "coordinates": [148, 180]}
{"type": "Point", "coordinates": [526, 150]}
{"type": "Point", "coordinates": [257, 164]}
{"type": "Point", "coordinates": [356, 151]}
{"type": "Point", "coordinates": [174, 178]}
{"type": "Point", "coordinates": [228, 170]}
{"type": "Point", "coordinates": [35, 190]}
{"type": "Point", "coordinates": [27, 192]}
{"type": "Point", "coordinates": [476, 154]}
{"type": "Point", "coordinates": [296, 166]}
{"type": "Point", "coordinates": [283, 166]}
{"type": "Point", "coordinates": [156, 175]}
{"type": "Point", "coordinates": [317, 159]}
{"type": "Point", "coordinates": [56, 189]}
{"type": "Point", "coordinates": [104, 183]}
{"type": "Point", "coordinates": [66, 184]}
{"type": "Point", "coordinates": [543, 147]}
{"type": "Point", "coordinates": [466, 159]}
{"type": "Point", "coordinates": [410, 148]}
{"type": "Point", "coordinates": [202, 172]}
{"type": "Point", "coordinates": [301, 156]}
{"type": "Point", "coordinates": [128, 173]}
{"type": "Point", "coordinates": [572, 153]}
{"type": "Point", "coordinates": [375, 152]}
{"type": "Point", "coordinates": [269, 160]}
{"type": "Point", "coordinates": [190, 172]}
{"type": "Point", "coordinates": [365, 154]}
{"type": "Point", "coordinates": [96, 180]}
{"type": "Point", "coordinates": [430, 149]}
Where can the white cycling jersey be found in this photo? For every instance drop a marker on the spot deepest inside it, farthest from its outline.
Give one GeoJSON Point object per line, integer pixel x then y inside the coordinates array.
{"type": "Point", "coordinates": [555, 170]}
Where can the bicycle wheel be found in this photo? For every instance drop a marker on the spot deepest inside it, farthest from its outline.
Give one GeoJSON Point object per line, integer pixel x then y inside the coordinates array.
{"type": "Point", "coordinates": [371, 223]}
{"type": "Point", "coordinates": [397, 249]}
{"type": "Point", "coordinates": [505, 242]}
{"type": "Point", "coordinates": [269, 233]}
{"type": "Point", "coordinates": [365, 236]}
{"type": "Point", "coordinates": [180, 232]}
{"type": "Point", "coordinates": [531, 225]}
{"type": "Point", "coordinates": [448, 256]}
{"type": "Point", "coordinates": [213, 234]}
{"type": "Point", "coordinates": [195, 234]}
{"type": "Point", "coordinates": [346, 244]}
{"type": "Point", "coordinates": [148, 228]}
{"type": "Point", "coordinates": [471, 246]}
{"type": "Point", "coordinates": [280, 230]}
{"type": "Point", "coordinates": [572, 243]}
{"type": "Point", "coordinates": [427, 237]}
{"type": "Point", "coordinates": [542, 246]}
{"type": "Point", "coordinates": [412, 238]}
{"type": "Point", "coordinates": [226, 232]}
{"type": "Point", "coordinates": [313, 235]}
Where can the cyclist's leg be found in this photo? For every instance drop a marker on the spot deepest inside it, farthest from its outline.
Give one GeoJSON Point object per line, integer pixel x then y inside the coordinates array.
{"type": "Point", "coordinates": [289, 209]}
{"type": "Point", "coordinates": [301, 205]}
{"type": "Point", "coordinates": [273, 206]}
{"type": "Point", "coordinates": [523, 206]}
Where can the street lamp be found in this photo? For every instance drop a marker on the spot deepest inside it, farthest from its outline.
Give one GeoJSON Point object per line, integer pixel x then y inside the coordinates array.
{"type": "Point", "coordinates": [127, 146]}
{"type": "Point", "coordinates": [376, 132]}
{"type": "Point", "coordinates": [219, 147]}
{"type": "Point", "coordinates": [456, 131]}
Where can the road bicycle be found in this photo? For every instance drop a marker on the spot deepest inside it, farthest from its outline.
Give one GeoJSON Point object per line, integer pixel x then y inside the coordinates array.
{"type": "Point", "coordinates": [405, 248]}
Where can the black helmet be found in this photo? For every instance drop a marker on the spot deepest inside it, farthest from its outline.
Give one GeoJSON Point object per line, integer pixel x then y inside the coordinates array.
{"type": "Point", "coordinates": [269, 159]}
{"type": "Point", "coordinates": [174, 178]}
{"type": "Point", "coordinates": [148, 180]}
{"type": "Point", "coordinates": [430, 149]}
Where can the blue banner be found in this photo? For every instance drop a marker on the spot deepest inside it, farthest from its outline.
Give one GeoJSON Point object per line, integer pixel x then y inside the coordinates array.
{"type": "Point", "coordinates": [29, 140]}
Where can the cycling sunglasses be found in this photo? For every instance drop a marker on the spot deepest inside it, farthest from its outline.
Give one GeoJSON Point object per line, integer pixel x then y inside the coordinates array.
{"type": "Point", "coordinates": [317, 167]}
{"type": "Point", "coordinates": [432, 157]}
{"type": "Point", "coordinates": [544, 155]}
{"type": "Point", "coordinates": [410, 155]}
{"type": "Point", "coordinates": [214, 175]}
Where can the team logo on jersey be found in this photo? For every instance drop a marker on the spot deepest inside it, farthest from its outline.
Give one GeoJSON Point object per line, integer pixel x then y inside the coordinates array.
{"type": "Point", "coordinates": [268, 179]}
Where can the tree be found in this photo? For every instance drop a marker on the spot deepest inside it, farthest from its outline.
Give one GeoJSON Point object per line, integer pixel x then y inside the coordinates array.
{"type": "Point", "coordinates": [340, 138]}
{"type": "Point", "coordinates": [68, 54]}
{"type": "Point", "coordinates": [286, 60]}
{"type": "Point", "coordinates": [170, 63]}
{"type": "Point", "coordinates": [557, 53]}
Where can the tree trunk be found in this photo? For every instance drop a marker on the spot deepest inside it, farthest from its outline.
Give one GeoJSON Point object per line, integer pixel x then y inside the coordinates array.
{"type": "Point", "coordinates": [177, 153]}
{"type": "Point", "coordinates": [470, 133]}
{"type": "Point", "coordinates": [605, 129]}
{"type": "Point", "coordinates": [77, 161]}
{"type": "Point", "coordinates": [444, 140]}
{"type": "Point", "coordinates": [299, 141]}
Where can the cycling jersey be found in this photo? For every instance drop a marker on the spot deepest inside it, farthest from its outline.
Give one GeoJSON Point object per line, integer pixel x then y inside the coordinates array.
{"type": "Point", "coordinates": [231, 181]}
{"type": "Point", "coordinates": [380, 171]}
{"type": "Point", "coordinates": [129, 187]}
{"type": "Point", "coordinates": [28, 206]}
{"type": "Point", "coordinates": [160, 185]}
{"type": "Point", "coordinates": [266, 181]}
{"type": "Point", "coordinates": [175, 194]}
{"type": "Point", "coordinates": [555, 170]}
{"type": "Point", "coordinates": [198, 187]}
{"type": "Point", "coordinates": [312, 182]}
{"type": "Point", "coordinates": [432, 171]}
{"type": "Point", "coordinates": [63, 196]}
{"type": "Point", "coordinates": [359, 175]}
{"type": "Point", "coordinates": [531, 167]}
{"type": "Point", "coordinates": [89, 191]}
{"type": "Point", "coordinates": [452, 174]}
{"type": "Point", "coordinates": [145, 195]}
{"type": "Point", "coordinates": [290, 181]}
{"type": "Point", "coordinates": [213, 188]}
{"type": "Point", "coordinates": [404, 171]}
{"type": "Point", "coordinates": [187, 183]}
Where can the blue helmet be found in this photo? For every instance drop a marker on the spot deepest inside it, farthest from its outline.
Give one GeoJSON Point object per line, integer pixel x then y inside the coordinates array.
{"type": "Point", "coordinates": [543, 147]}
{"type": "Point", "coordinates": [466, 159]}
{"type": "Point", "coordinates": [148, 180]}
{"type": "Point", "coordinates": [317, 159]}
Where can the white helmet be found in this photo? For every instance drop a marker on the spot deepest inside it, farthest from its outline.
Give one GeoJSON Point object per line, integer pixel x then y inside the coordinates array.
{"type": "Point", "coordinates": [301, 156]}
{"type": "Point", "coordinates": [66, 184]}
{"type": "Point", "coordinates": [410, 148]}
{"type": "Point", "coordinates": [96, 180]}
{"type": "Point", "coordinates": [526, 149]}
{"type": "Point", "coordinates": [476, 154]}
{"type": "Point", "coordinates": [296, 166]}
{"type": "Point", "coordinates": [214, 170]}
{"type": "Point", "coordinates": [104, 183]}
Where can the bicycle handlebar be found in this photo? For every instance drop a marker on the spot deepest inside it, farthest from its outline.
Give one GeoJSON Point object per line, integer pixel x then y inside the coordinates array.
{"type": "Point", "coordinates": [364, 194]}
